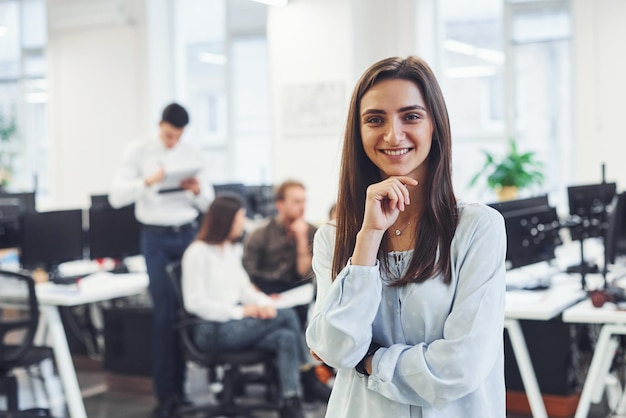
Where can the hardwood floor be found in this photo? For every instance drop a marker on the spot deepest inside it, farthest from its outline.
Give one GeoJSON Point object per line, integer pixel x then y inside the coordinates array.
{"type": "Point", "coordinates": [104, 402]}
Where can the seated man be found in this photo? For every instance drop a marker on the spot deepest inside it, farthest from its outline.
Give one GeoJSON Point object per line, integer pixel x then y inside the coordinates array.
{"type": "Point", "coordinates": [277, 256]}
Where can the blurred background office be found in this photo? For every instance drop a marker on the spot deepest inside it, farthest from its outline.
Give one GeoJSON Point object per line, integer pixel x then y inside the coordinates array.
{"type": "Point", "coordinates": [267, 87]}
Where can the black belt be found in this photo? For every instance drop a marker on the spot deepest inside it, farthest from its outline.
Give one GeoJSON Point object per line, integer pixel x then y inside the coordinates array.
{"type": "Point", "coordinates": [171, 228]}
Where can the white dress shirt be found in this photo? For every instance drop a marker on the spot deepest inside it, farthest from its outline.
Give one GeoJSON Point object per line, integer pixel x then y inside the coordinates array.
{"type": "Point", "coordinates": [142, 159]}
{"type": "Point", "coordinates": [215, 284]}
{"type": "Point", "coordinates": [442, 354]}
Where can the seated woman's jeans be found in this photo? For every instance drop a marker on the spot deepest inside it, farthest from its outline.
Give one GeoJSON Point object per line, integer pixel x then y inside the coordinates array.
{"type": "Point", "coordinates": [281, 335]}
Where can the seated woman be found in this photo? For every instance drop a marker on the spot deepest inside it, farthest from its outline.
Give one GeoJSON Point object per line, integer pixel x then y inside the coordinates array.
{"type": "Point", "coordinates": [216, 288]}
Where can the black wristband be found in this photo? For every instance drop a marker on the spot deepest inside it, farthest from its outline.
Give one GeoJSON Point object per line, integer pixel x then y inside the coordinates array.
{"type": "Point", "coordinates": [360, 367]}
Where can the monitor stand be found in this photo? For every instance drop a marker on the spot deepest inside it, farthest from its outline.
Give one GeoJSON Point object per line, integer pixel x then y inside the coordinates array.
{"type": "Point", "coordinates": [54, 275]}
{"type": "Point", "coordinates": [584, 267]}
{"type": "Point", "coordinates": [119, 267]}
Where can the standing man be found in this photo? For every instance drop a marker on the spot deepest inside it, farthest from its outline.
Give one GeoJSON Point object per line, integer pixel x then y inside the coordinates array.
{"type": "Point", "coordinates": [277, 256]}
{"type": "Point", "coordinates": [168, 216]}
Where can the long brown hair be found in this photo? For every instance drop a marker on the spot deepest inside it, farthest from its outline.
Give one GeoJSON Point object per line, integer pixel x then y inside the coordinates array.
{"type": "Point", "coordinates": [439, 219]}
{"type": "Point", "coordinates": [218, 220]}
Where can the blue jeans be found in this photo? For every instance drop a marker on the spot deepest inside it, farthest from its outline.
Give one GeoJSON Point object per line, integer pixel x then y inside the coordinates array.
{"type": "Point", "coordinates": [281, 335]}
{"type": "Point", "coordinates": [161, 246]}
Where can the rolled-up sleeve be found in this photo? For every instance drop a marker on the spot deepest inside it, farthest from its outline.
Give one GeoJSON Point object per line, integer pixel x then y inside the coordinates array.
{"type": "Point", "coordinates": [128, 185]}
{"type": "Point", "coordinates": [252, 255]}
{"type": "Point", "coordinates": [203, 199]}
{"type": "Point", "coordinates": [340, 331]}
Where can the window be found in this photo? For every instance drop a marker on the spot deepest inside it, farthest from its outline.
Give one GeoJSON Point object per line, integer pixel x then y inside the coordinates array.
{"type": "Point", "coordinates": [222, 76]}
{"type": "Point", "coordinates": [540, 55]}
{"type": "Point", "coordinates": [506, 72]}
{"type": "Point", "coordinates": [473, 68]}
{"type": "Point", "coordinates": [23, 93]}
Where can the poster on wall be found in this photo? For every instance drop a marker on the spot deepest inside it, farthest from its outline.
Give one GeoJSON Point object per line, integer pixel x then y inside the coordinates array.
{"type": "Point", "coordinates": [313, 109]}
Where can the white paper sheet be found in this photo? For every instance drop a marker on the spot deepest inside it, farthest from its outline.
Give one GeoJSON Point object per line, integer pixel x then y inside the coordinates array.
{"type": "Point", "coordinates": [300, 295]}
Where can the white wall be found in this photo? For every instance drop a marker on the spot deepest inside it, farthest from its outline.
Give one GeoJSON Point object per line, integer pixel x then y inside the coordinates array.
{"type": "Point", "coordinates": [326, 41]}
{"type": "Point", "coordinates": [310, 43]}
{"type": "Point", "coordinates": [160, 56]}
{"type": "Point", "coordinates": [600, 90]}
{"type": "Point", "coordinates": [383, 29]}
{"type": "Point", "coordinates": [98, 94]}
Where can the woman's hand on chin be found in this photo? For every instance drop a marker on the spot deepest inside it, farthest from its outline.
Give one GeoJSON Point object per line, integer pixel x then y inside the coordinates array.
{"type": "Point", "coordinates": [384, 202]}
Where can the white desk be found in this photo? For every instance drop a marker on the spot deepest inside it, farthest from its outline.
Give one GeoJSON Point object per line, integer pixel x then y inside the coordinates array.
{"type": "Point", "coordinates": [96, 288]}
{"type": "Point", "coordinates": [565, 290]}
{"type": "Point", "coordinates": [614, 323]}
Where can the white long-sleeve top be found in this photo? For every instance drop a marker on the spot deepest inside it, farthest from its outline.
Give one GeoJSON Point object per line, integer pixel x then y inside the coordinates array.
{"type": "Point", "coordinates": [143, 158]}
{"type": "Point", "coordinates": [214, 283]}
{"type": "Point", "coordinates": [442, 354]}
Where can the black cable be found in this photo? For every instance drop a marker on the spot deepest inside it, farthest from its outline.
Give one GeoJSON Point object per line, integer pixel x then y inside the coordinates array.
{"type": "Point", "coordinates": [71, 319]}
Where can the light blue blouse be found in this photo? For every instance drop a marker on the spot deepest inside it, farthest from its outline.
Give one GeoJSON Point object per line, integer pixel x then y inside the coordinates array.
{"type": "Point", "coordinates": [443, 354]}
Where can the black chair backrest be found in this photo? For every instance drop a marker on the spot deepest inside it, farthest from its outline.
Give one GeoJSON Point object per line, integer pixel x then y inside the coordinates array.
{"type": "Point", "coordinates": [175, 272]}
{"type": "Point", "coordinates": [19, 315]}
{"type": "Point", "coordinates": [186, 320]}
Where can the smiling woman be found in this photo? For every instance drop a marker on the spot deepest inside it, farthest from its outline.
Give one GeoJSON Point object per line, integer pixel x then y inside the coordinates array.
{"type": "Point", "coordinates": [396, 128]}
{"type": "Point", "coordinates": [408, 257]}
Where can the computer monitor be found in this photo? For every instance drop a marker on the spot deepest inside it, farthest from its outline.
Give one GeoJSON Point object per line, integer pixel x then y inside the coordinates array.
{"type": "Point", "coordinates": [236, 188]}
{"type": "Point", "coordinates": [532, 235]}
{"type": "Point", "coordinates": [615, 243]}
{"type": "Point", "coordinates": [113, 233]}
{"type": "Point", "coordinates": [520, 215]}
{"type": "Point", "coordinates": [9, 222]}
{"type": "Point", "coordinates": [12, 206]}
{"type": "Point", "coordinates": [521, 204]}
{"type": "Point", "coordinates": [50, 238]}
{"type": "Point", "coordinates": [100, 201]}
{"type": "Point", "coordinates": [26, 199]}
{"type": "Point", "coordinates": [587, 205]}
{"type": "Point", "coordinates": [261, 201]}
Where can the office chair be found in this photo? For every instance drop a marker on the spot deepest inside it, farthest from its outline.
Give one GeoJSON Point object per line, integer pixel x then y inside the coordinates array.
{"type": "Point", "coordinates": [19, 317]}
{"type": "Point", "coordinates": [234, 380]}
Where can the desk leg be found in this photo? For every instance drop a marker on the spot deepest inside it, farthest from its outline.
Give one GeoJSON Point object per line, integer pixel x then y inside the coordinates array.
{"type": "Point", "coordinates": [599, 366]}
{"type": "Point", "coordinates": [621, 407]}
{"type": "Point", "coordinates": [63, 359]}
{"type": "Point", "coordinates": [525, 366]}
{"type": "Point", "coordinates": [606, 359]}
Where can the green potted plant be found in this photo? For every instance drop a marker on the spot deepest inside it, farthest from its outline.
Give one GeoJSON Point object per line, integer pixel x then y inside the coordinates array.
{"type": "Point", "coordinates": [7, 131]}
{"type": "Point", "coordinates": [508, 174]}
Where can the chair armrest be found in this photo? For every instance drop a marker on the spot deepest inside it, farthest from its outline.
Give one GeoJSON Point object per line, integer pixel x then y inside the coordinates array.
{"type": "Point", "coordinates": [185, 326]}
{"type": "Point", "coordinates": [7, 326]}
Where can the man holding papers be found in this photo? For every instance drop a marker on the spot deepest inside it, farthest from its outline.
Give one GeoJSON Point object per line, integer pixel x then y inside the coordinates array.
{"type": "Point", "coordinates": [162, 177]}
{"type": "Point", "coordinates": [277, 255]}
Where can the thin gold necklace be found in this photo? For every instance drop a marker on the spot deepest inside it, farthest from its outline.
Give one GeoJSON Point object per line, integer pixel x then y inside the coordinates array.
{"type": "Point", "coordinates": [399, 232]}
